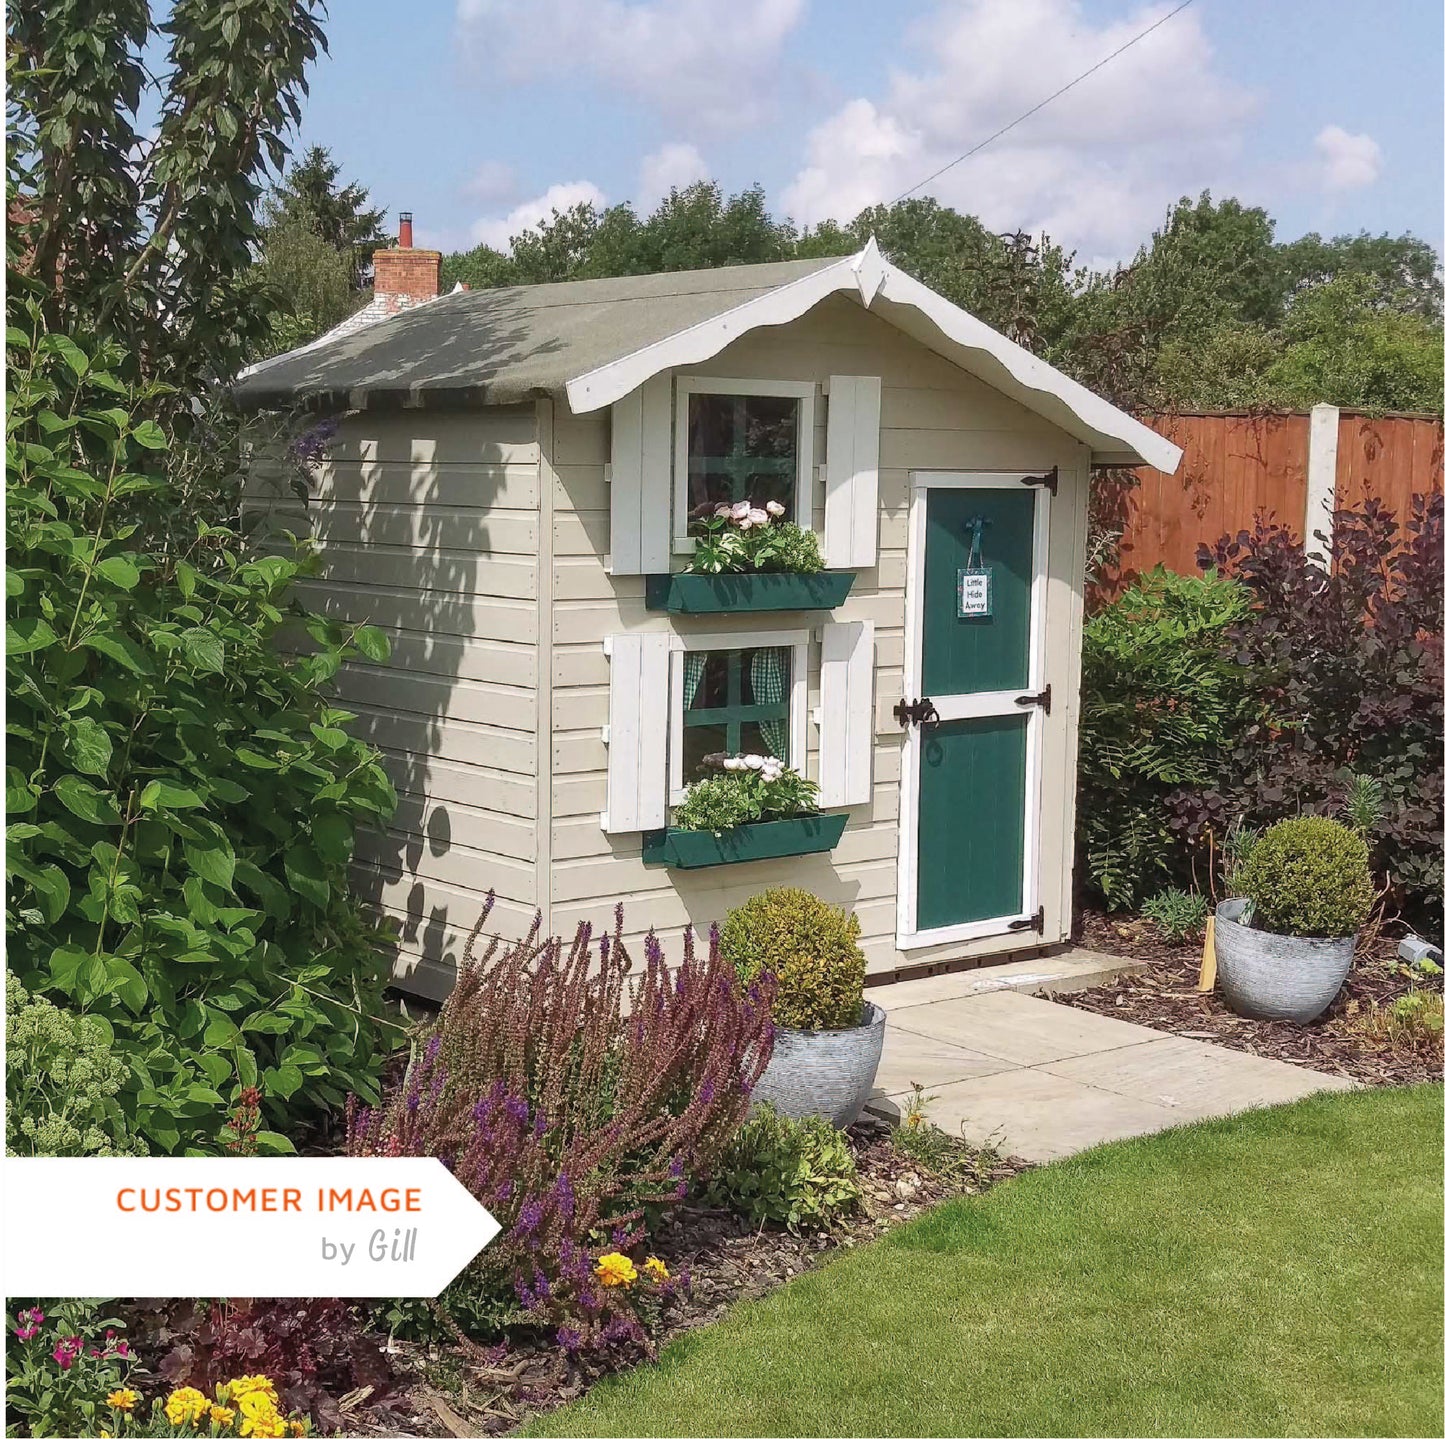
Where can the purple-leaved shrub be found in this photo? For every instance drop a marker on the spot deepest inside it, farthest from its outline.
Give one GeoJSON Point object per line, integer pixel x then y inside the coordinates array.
{"type": "Point", "coordinates": [574, 1097]}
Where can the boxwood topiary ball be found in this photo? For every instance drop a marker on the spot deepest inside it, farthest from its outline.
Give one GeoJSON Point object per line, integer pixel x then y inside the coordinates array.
{"type": "Point", "coordinates": [1308, 877]}
{"type": "Point", "coordinates": [810, 946]}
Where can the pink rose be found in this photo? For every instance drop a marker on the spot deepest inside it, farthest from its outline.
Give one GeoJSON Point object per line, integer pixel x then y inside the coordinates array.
{"type": "Point", "coordinates": [741, 510]}
{"type": "Point", "coordinates": [774, 509]}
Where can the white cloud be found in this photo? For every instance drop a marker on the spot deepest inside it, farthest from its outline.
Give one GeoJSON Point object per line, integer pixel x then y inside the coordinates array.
{"type": "Point", "coordinates": [492, 180]}
{"type": "Point", "coordinates": [1347, 162]}
{"type": "Point", "coordinates": [1095, 168]}
{"type": "Point", "coordinates": [706, 65]}
{"type": "Point", "coordinates": [673, 167]}
{"type": "Point", "coordinates": [498, 231]}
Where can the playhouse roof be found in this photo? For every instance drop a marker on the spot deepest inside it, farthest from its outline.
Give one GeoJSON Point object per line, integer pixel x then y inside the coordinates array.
{"type": "Point", "coordinates": [595, 341]}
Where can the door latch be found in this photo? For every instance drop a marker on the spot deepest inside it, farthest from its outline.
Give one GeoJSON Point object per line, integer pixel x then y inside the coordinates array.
{"type": "Point", "coordinates": [1044, 699]}
{"type": "Point", "coordinates": [1036, 921]}
{"type": "Point", "coordinates": [1050, 480]}
{"type": "Point", "coordinates": [920, 712]}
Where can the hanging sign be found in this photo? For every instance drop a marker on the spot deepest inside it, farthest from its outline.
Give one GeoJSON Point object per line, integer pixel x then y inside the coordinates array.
{"type": "Point", "coordinates": [975, 592]}
{"type": "Point", "coordinates": [975, 579]}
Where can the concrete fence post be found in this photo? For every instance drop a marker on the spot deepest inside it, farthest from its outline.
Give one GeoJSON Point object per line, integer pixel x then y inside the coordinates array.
{"type": "Point", "coordinates": [1319, 519]}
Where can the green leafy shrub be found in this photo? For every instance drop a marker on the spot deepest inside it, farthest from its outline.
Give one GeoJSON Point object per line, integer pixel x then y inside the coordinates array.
{"type": "Point", "coordinates": [1179, 913]}
{"type": "Point", "coordinates": [1308, 876]}
{"type": "Point", "coordinates": [746, 796]}
{"type": "Point", "coordinates": [1162, 701]}
{"type": "Point", "coordinates": [811, 948]}
{"type": "Point", "coordinates": [182, 795]}
{"type": "Point", "coordinates": [59, 1366]}
{"type": "Point", "coordinates": [61, 1081]}
{"type": "Point", "coordinates": [799, 1173]}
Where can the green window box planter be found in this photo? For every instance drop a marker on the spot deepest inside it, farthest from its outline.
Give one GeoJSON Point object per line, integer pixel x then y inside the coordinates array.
{"type": "Point", "coordinates": [720, 594]}
{"type": "Point", "coordinates": [769, 839]}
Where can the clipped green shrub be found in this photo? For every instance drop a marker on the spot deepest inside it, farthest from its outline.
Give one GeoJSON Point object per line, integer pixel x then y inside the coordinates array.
{"type": "Point", "coordinates": [812, 949]}
{"type": "Point", "coordinates": [799, 1173]}
{"type": "Point", "coordinates": [1309, 877]}
{"type": "Point", "coordinates": [61, 1081]}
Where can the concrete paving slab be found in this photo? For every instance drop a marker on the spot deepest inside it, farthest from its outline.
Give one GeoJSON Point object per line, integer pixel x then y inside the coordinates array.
{"type": "Point", "coordinates": [1071, 969]}
{"type": "Point", "coordinates": [1017, 1028]}
{"type": "Point", "coordinates": [910, 1059]}
{"type": "Point", "coordinates": [1041, 1116]}
{"type": "Point", "coordinates": [1201, 1080]}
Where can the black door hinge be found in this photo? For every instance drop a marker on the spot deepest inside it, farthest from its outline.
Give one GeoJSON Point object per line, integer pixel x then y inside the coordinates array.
{"type": "Point", "coordinates": [920, 712]}
{"type": "Point", "coordinates": [1051, 480]}
{"type": "Point", "coordinates": [1037, 922]}
{"type": "Point", "coordinates": [1044, 699]}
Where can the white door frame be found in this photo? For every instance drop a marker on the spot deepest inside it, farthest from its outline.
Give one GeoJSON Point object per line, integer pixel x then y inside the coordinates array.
{"type": "Point", "coordinates": [970, 706]}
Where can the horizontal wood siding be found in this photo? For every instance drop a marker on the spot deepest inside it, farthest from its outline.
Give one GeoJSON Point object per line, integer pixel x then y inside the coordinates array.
{"type": "Point", "coordinates": [934, 416]}
{"type": "Point", "coordinates": [428, 527]}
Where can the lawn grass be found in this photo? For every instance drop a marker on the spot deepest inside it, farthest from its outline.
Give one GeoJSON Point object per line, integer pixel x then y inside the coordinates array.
{"type": "Point", "coordinates": [1275, 1273]}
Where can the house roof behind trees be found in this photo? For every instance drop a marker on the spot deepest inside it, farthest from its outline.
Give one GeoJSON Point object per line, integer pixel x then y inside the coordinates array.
{"type": "Point", "coordinates": [594, 341]}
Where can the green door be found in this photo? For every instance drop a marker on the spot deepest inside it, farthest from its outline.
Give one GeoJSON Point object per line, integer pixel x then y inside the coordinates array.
{"type": "Point", "coordinates": [970, 763]}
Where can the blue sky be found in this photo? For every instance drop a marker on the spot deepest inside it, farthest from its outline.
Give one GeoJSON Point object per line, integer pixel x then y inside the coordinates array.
{"type": "Point", "coordinates": [478, 115]}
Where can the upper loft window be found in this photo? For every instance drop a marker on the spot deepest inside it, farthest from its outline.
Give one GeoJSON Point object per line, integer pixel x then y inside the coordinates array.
{"type": "Point", "coordinates": [742, 440]}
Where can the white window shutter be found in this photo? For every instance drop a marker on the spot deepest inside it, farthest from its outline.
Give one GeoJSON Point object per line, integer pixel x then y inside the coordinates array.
{"type": "Point", "coordinates": [845, 743]}
{"type": "Point", "coordinates": [641, 539]}
{"type": "Point", "coordinates": [637, 734]}
{"type": "Point", "coordinates": [850, 516]}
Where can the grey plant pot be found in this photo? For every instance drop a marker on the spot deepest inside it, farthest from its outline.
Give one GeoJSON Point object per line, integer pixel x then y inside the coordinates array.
{"type": "Point", "coordinates": [828, 1072]}
{"type": "Point", "coordinates": [1276, 976]}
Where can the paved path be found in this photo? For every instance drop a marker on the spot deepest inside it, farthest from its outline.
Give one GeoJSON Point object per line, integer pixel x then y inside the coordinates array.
{"type": "Point", "coordinates": [1042, 1080]}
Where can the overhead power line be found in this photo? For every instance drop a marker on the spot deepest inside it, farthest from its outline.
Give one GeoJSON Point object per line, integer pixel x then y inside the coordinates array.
{"type": "Point", "coordinates": [1048, 100]}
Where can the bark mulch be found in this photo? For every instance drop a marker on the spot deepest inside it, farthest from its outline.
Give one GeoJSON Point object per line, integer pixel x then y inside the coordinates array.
{"type": "Point", "coordinates": [1351, 1038]}
{"type": "Point", "coordinates": [728, 1260]}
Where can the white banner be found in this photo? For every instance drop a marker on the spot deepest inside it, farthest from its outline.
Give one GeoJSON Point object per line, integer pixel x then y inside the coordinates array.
{"type": "Point", "coordinates": [266, 1228]}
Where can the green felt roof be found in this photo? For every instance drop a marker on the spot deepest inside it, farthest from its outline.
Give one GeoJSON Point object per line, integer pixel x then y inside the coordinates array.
{"type": "Point", "coordinates": [506, 345]}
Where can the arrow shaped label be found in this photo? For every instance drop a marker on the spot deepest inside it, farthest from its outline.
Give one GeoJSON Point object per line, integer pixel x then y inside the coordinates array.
{"type": "Point", "coordinates": [275, 1227]}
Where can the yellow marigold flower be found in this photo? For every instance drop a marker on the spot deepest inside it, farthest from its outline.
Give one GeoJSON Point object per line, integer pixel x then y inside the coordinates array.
{"type": "Point", "coordinates": [616, 1269]}
{"type": "Point", "coordinates": [252, 1384]}
{"type": "Point", "coordinates": [123, 1399]}
{"type": "Point", "coordinates": [222, 1417]}
{"type": "Point", "coordinates": [656, 1269]}
{"type": "Point", "coordinates": [186, 1406]}
{"type": "Point", "coordinates": [297, 1428]}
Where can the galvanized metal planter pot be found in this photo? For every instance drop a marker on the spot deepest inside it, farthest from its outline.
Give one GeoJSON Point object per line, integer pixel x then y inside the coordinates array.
{"type": "Point", "coordinates": [1276, 976]}
{"type": "Point", "coordinates": [828, 1072]}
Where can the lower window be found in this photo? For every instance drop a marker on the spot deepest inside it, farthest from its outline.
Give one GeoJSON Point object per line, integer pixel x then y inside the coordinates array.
{"type": "Point", "coordinates": [744, 699]}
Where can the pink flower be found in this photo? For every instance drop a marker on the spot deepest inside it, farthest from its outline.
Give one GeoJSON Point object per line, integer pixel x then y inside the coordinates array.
{"type": "Point", "coordinates": [27, 1331]}
{"type": "Point", "coordinates": [741, 510]}
{"type": "Point", "coordinates": [774, 509]}
{"type": "Point", "coordinates": [745, 524]}
{"type": "Point", "coordinates": [758, 517]}
{"type": "Point", "coordinates": [122, 1350]}
{"type": "Point", "coordinates": [722, 509]}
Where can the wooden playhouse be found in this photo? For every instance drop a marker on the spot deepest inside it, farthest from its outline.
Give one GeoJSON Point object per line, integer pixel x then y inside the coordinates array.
{"type": "Point", "coordinates": [509, 495]}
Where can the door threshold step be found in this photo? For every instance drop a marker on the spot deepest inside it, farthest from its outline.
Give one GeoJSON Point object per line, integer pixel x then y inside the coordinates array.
{"type": "Point", "coordinates": [1072, 968]}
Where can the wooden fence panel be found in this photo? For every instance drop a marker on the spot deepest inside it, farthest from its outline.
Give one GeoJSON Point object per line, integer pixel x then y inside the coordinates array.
{"type": "Point", "coordinates": [1238, 466]}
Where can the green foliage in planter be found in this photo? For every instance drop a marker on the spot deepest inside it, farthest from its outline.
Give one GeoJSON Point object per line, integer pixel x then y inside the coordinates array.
{"type": "Point", "coordinates": [1179, 914]}
{"type": "Point", "coordinates": [748, 796]}
{"type": "Point", "coordinates": [810, 946]}
{"type": "Point", "coordinates": [182, 795]}
{"type": "Point", "coordinates": [61, 1081]}
{"type": "Point", "coordinates": [799, 1173]}
{"type": "Point", "coordinates": [1308, 876]}
{"type": "Point", "coordinates": [1162, 701]}
{"type": "Point", "coordinates": [725, 548]}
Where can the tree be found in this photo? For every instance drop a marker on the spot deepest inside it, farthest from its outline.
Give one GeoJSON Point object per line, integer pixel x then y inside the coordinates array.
{"type": "Point", "coordinates": [152, 242]}
{"type": "Point", "coordinates": [1408, 269]}
{"type": "Point", "coordinates": [338, 217]}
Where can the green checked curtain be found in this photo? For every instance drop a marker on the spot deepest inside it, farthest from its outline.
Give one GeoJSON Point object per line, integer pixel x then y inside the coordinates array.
{"type": "Point", "coordinates": [770, 687]}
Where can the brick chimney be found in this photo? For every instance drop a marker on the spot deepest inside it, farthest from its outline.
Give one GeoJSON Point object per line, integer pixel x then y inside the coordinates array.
{"type": "Point", "coordinates": [403, 276]}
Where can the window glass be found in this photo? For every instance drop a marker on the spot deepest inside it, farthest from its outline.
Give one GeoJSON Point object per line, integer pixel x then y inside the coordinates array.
{"type": "Point", "coordinates": [734, 702]}
{"type": "Point", "coordinates": [741, 447]}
